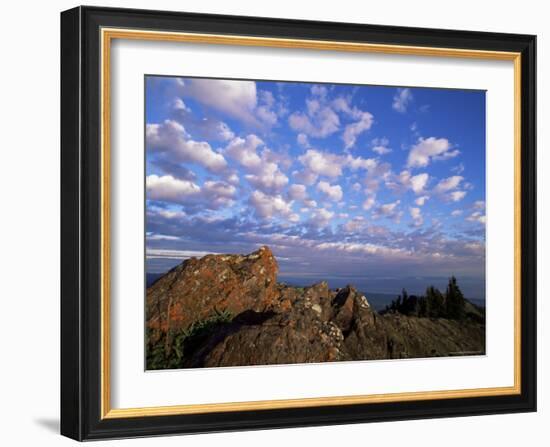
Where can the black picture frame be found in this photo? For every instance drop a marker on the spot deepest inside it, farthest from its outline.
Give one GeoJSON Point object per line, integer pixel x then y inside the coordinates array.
{"type": "Point", "coordinates": [81, 224]}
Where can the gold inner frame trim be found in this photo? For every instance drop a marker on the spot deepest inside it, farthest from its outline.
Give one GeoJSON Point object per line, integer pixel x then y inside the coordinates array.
{"type": "Point", "coordinates": [107, 35]}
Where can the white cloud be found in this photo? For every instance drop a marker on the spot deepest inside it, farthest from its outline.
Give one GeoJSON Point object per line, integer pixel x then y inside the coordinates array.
{"type": "Point", "coordinates": [353, 130]}
{"type": "Point", "coordinates": [321, 217]}
{"type": "Point", "coordinates": [457, 196]}
{"type": "Point", "coordinates": [368, 203]}
{"type": "Point", "coordinates": [268, 206]}
{"type": "Point", "coordinates": [305, 176]}
{"type": "Point", "coordinates": [302, 140]}
{"type": "Point", "coordinates": [456, 213]}
{"type": "Point", "coordinates": [166, 213]}
{"type": "Point", "coordinates": [162, 237]}
{"type": "Point", "coordinates": [170, 137]}
{"type": "Point", "coordinates": [212, 194]}
{"type": "Point", "coordinates": [333, 192]}
{"type": "Point", "coordinates": [268, 178]}
{"type": "Point", "coordinates": [322, 163]}
{"type": "Point", "coordinates": [402, 99]}
{"type": "Point", "coordinates": [416, 215]}
{"type": "Point", "coordinates": [420, 201]}
{"type": "Point", "coordinates": [388, 210]}
{"type": "Point", "coordinates": [237, 99]}
{"type": "Point", "coordinates": [175, 254]}
{"type": "Point", "coordinates": [244, 151]}
{"type": "Point", "coordinates": [356, 187]}
{"type": "Point", "coordinates": [447, 189]}
{"type": "Point", "coordinates": [180, 106]}
{"type": "Point", "coordinates": [297, 192]}
{"type": "Point", "coordinates": [264, 173]}
{"type": "Point", "coordinates": [448, 184]}
{"type": "Point", "coordinates": [418, 182]}
{"type": "Point", "coordinates": [381, 150]}
{"type": "Point", "coordinates": [319, 122]}
{"type": "Point", "coordinates": [169, 188]}
{"type": "Point", "coordinates": [479, 204]}
{"type": "Point", "coordinates": [356, 163]}
{"type": "Point", "coordinates": [458, 169]}
{"type": "Point", "coordinates": [233, 179]}
{"type": "Point", "coordinates": [477, 216]}
{"type": "Point", "coordinates": [428, 149]}
{"type": "Point", "coordinates": [405, 180]}
{"type": "Point", "coordinates": [363, 120]}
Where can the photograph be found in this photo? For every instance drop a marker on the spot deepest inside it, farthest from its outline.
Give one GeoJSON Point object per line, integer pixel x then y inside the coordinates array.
{"type": "Point", "coordinates": [275, 223]}
{"type": "Point", "coordinates": [295, 222]}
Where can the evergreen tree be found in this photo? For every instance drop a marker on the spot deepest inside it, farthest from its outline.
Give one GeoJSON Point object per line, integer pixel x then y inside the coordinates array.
{"type": "Point", "coordinates": [454, 301]}
{"type": "Point", "coordinates": [434, 303]}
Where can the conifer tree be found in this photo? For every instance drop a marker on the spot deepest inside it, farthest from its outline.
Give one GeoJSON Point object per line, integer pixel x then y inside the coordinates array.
{"type": "Point", "coordinates": [454, 301]}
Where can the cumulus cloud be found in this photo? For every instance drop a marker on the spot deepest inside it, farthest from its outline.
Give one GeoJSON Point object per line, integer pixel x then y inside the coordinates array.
{"type": "Point", "coordinates": [405, 180]}
{"type": "Point", "coordinates": [369, 203]}
{"type": "Point", "coordinates": [420, 201]}
{"type": "Point", "coordinates": [264, 173]}
{"type": "Point", "coordinates": [447, 188]}
{"type": "Point", "coordinates": [353, 130]}
{"type": "Point", "coordinates": [297, 192]}
{"type": "Point", "coordinates": [237, 99]}
{"type": "Point", "coordinates": [268, 177]}
{"type": "Point", "coordinates": [168, 188]}
{"type": "Point", "coordinates": [380, 146]}
{"type": "Point", "coordinates": [332, 192]}
{"type": "Point", "coordinates": [322, 163]}
{"type": "Point", "coordinates": [171, 138]}
{"type": "Point", "coordinates": [429, 149]}
{"type": "Point", "coordinates": [402, 99]}
{"type": "Point", "coordinates": [456, 196]}
{"type": "Point", "coordinates": [356, 163]}
{"type": "Point", "coordinates": [418, 182]}
{"type": "Point", "coordinates": [389, 210]}
{"type": "Point", "coordinates": [477, 216]}
{"type": "Point", "coordinates": [305, 176]}
{"type": "Point", "coordinates": [206, 127]}
{"type": "Point", "coordinates": [320, 120]}
{"type": "Point", "coordinates": [212, 194]}
{"type": "Point", "coordinates": [479, 204]}
{"type": "Point", "coordinates": [269, 206]}
{"type": "Point", "coordinates": [416, 215]}
{"type": "Point", "coordinates": [302, 140]}
{"type": "Point", "coordinates": [243, 150]}
{"type": "Point", "coordinates": [321, 217]}
{"type": "Point", "coordinates": [448, 184]}
{"type": "Point", "coordinates": [363, 120]}
{"type": "Point", "coordinates": [456, 213]}
{"type": "Point", "coordinates": [458, 169]}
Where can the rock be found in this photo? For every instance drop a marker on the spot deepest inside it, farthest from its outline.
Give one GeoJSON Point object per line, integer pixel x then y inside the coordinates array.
{"type": "Point", "coordinates": [197, 288]}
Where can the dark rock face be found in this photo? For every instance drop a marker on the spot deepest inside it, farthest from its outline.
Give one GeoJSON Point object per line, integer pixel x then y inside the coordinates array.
{"type": "Point", "coordinates": [275, 324]}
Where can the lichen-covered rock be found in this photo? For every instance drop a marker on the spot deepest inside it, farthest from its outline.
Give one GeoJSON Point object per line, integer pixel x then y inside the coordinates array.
{"type": "Point", "coordinates": [197, 288]}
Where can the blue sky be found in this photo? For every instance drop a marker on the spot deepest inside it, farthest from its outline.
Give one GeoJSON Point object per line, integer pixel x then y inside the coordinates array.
{"type": "Point", "coordinates": [381, 187]}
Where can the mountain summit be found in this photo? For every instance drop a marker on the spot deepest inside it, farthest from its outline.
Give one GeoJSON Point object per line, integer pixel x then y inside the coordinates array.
{"type": "Point", "coordinates": [229, 310]}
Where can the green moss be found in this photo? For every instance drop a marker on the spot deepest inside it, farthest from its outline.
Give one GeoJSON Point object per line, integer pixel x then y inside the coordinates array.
{"type": "Point", "coordinates": [160, 356]}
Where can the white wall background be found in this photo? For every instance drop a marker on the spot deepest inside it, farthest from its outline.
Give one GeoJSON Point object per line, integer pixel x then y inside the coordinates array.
{"type": "Point", "coordinates": [29, 226]}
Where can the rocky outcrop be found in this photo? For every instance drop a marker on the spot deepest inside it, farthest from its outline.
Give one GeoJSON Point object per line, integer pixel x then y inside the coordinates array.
{"type": "Point", "coordinates": [272, 323]}
{"type": "Point", "coordinates": [197, 288]}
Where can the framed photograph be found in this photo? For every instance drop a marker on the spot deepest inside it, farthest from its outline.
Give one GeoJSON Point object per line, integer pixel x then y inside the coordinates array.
{"type": "Point", "coordinates": [274, 223]}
